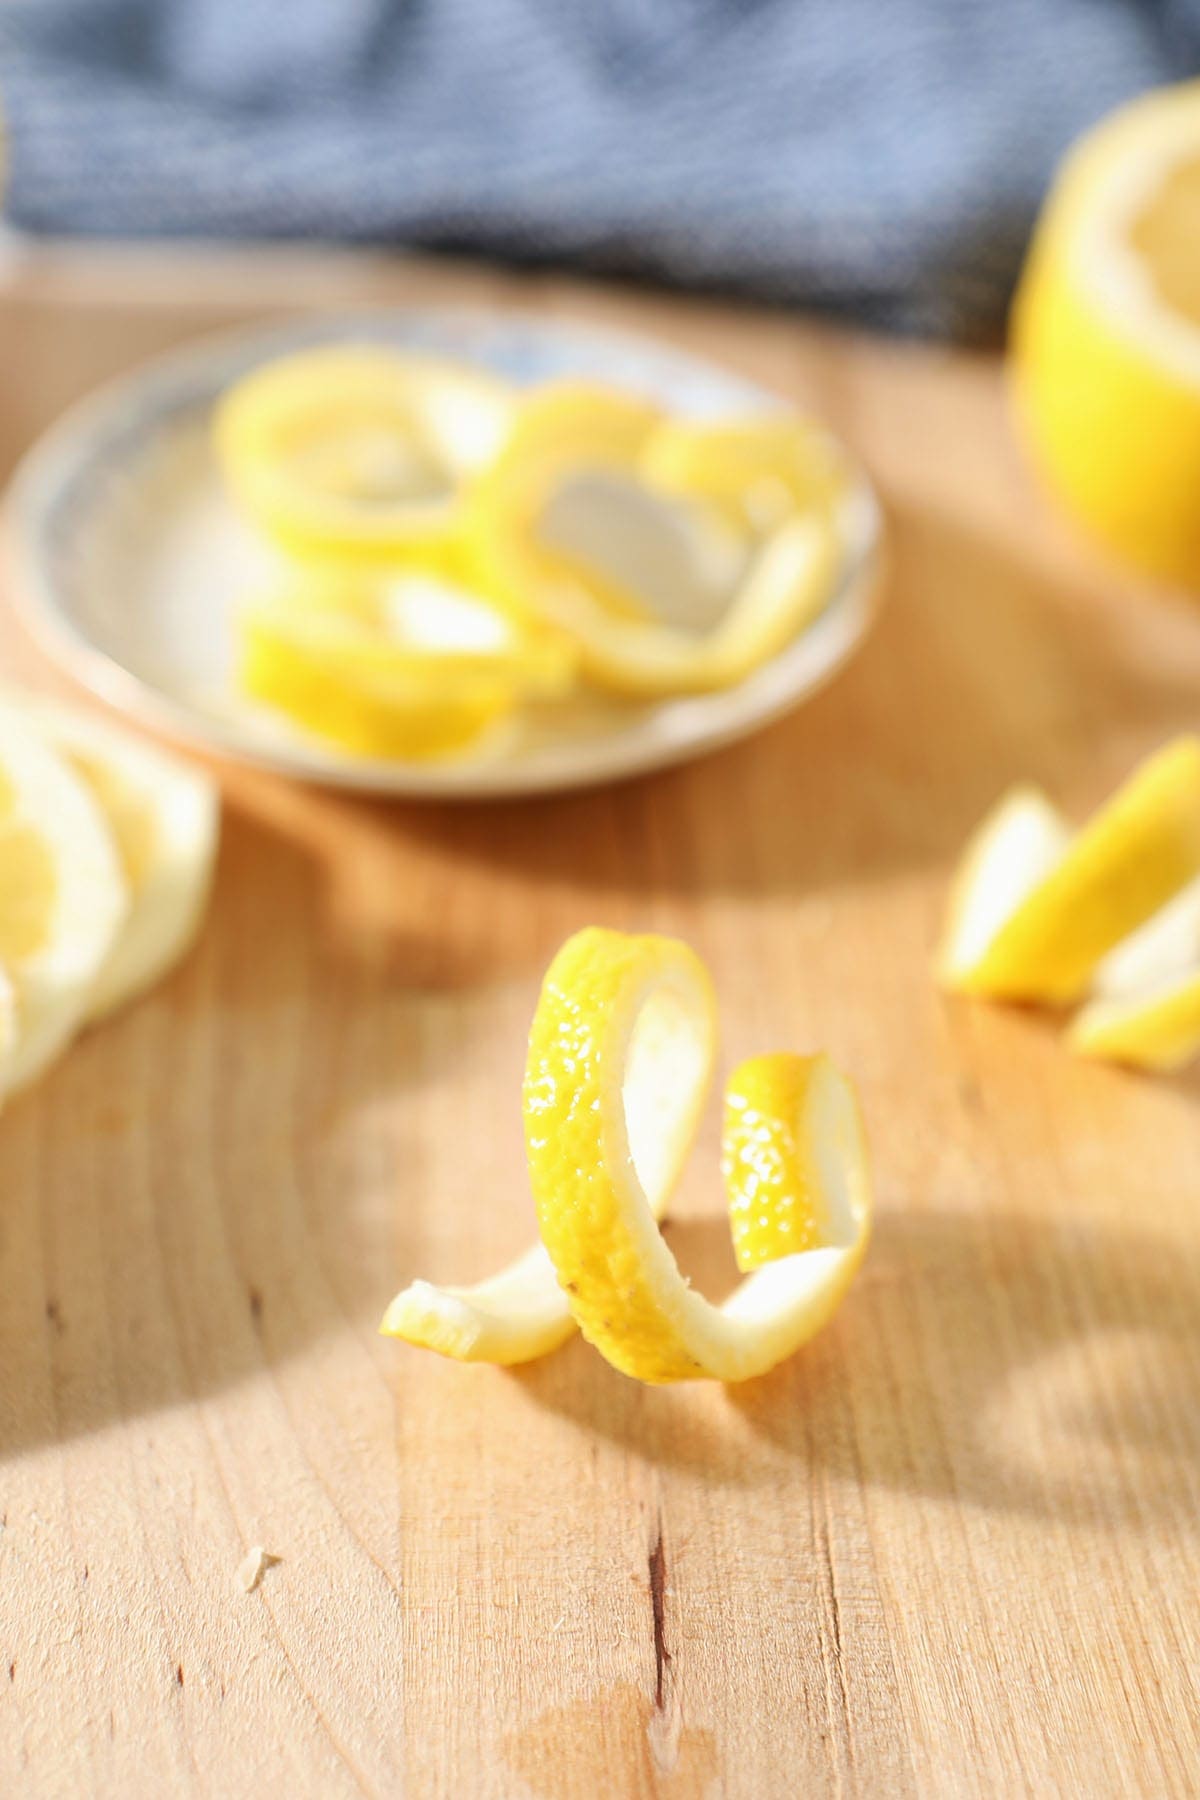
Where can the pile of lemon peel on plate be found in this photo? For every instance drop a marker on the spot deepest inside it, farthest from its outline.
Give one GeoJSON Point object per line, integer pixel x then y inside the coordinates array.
{"type": "Point", "coordinates": [106, 855]}
{"type": "Point", "coordinates": [454, 554]}
{"type": "Point", "coordinates": [620, 1058]}
{"type": "Point", "coordinates": [1107, 917]}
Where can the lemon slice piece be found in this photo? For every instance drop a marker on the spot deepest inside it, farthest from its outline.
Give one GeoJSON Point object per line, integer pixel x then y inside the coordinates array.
{"type": "Point", "coordinates": [678, 558]}
{"type": "Point", "coordinates": [163, 817]}
{"type": "Point", "coordinates": [356, 451]}
{"type": "Point", "coordinates": [1146, 1005]}
{"type": "Point", "coordinates": [1029, 924]}
{"type": "Point", "coordinates": [410, 666]}
{"type": "Point", "coordinates": [1106, 334]}
{"type": "Point", "coordinates": [63, 897]}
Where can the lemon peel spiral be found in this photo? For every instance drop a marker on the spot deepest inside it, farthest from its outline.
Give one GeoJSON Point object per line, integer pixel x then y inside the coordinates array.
{"type": "Point", "coordinates": [620, 1056]}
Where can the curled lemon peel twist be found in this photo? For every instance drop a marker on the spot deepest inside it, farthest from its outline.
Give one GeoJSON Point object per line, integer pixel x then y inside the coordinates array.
{"type": "Point", "coordinates": [358, 453]}
{"type": "Point", "coordinates": [620, 1058]}
{"type": "Point", "coordinates": [759, 496]}
{"type": "Point", "coordinates": [323, 652]}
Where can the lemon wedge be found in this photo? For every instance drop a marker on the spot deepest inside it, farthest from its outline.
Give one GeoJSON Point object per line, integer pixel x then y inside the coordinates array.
{"type": "Point", "coordinates": [358, 452]}
{"type": "Point", "coordinates": [1166, 946]}
{"type": "Point", "coordinates": [64, 899]}
{"type": "Point", "coordinates": [408, 666]}
{"type": "Point", "coordinates": [1106, 334]}
{"type": "Point", "coordinates": [1007, 857]}
{"type": "Point", "coordinates": [163, 817]}
{"type": "Point", "coordinates": [678, 558]}
{"type": "Point", "coordinates": [1035, 909]}
{"type": "Point", "coordinates": [1145, 1009]}
{"type": "Point", "coordinates": [620, 1055]}
{"type": "Point", "coordinates": [1158, 1029]}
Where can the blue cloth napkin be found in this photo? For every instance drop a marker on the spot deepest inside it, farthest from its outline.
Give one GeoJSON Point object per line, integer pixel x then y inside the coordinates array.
{"type": "Point", "coordinates": [882, 158]}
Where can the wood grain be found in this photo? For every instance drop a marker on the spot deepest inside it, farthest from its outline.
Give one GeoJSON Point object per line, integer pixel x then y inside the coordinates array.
{"type": "Point", "coordinates": [950, 1550]}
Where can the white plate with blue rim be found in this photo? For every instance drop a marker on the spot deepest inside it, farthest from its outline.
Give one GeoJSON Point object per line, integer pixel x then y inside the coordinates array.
{"type": "Point", "coordinates": [130, 560]}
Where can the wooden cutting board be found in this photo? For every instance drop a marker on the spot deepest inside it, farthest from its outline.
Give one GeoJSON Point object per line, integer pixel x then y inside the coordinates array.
{"type": "Point", "coordinates": [950, 1550]}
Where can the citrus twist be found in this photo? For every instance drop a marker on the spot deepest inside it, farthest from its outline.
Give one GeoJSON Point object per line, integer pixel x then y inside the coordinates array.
{"type": "Point", "coordinates": [679, 556]}
{"type": "Point", "coordinates": [620, 1055]}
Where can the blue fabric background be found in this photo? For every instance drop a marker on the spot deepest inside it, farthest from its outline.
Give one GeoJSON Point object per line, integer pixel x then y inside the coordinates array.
{"type": "Point", "coordinates": [877, 157]}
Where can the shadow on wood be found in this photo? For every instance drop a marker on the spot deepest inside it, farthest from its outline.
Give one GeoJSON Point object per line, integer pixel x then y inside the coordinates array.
{"type": "Point", "coordinates": [185, 1199]}
{"type": "Point", "coordinates": [1006, 1361]}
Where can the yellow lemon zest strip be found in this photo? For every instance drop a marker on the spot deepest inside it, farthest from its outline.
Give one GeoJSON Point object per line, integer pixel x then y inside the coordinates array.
{"type": "Point", "coordinates": [619, 1060]}
{"type": "Point", "coordinates": [358, 452]}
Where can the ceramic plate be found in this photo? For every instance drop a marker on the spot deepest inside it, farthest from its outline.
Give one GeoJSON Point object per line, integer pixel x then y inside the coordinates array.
{"type": "Point", "coordinates": [129, 560]}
